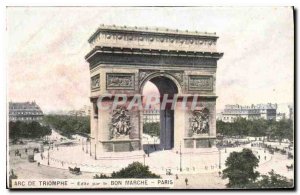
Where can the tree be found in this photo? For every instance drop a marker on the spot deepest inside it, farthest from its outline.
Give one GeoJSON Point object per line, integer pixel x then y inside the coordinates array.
{"type": "Point", "coordinates": [135, 170]}
{"type": "Point", "coordinates": [152, 128]}
{"type": "Point", "coordinates": [240, 168]}
{"type": "Point", "coordinates": [69, 125]}
{"type": "Point", "coordinates": [272, 180]}
{"type": "Point", "coordinates": [32, 129]}
{"type": "Point", "coordinates": [283, 129]}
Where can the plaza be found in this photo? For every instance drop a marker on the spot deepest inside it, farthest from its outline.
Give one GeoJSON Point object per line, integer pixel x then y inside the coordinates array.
{"type": "Point", "coordinates": [162, 162]}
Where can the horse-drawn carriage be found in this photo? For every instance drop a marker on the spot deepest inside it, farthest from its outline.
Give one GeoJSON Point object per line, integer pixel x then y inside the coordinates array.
{"type": "Point", "coordinates": [75, 170]}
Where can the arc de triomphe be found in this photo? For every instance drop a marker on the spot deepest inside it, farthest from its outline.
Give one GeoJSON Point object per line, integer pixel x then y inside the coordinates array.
{"type": "Point", "coordinates": [123, 59]}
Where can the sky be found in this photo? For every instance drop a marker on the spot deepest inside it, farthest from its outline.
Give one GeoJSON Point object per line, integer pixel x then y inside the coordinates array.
{"type": "Point", "coordinates": [46, 48]}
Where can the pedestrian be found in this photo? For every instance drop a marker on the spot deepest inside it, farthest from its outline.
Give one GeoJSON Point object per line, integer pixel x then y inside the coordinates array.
{"type": "Point", "coordinates": [186, 181]}
{"type": "Point", "coordinates": [176, 176]}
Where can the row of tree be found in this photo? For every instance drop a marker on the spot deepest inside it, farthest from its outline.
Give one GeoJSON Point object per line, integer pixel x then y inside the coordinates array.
{"type": "Point", "coordinates": [133, 170]}
{"type": "Point", "coordinates": [282, 129]}
{"type": "Point", "coordinates": [152, 128]}
{"type": "Point", "coordinates": [68, 125]}
{"type": "Point", "coordinates": [30, 130]}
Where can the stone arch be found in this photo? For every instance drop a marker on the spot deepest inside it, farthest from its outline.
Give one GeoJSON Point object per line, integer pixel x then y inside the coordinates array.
{"type": "Point", "coordinates": [160, 74]}
{"type": "Point", "coordinates": [166, 84]}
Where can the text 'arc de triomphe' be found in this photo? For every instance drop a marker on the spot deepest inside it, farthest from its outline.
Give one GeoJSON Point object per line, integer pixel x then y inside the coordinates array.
{"type": "Point", "coordinates": [123, 59]}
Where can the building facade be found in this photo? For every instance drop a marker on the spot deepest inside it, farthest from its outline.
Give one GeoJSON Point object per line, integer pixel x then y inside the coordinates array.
{"type": "Point", "coordinates": [151, 116]}
{"type": "Point", "coordinates": [25, 111]}
{"type": "Point", "coordinates": [259, 111]}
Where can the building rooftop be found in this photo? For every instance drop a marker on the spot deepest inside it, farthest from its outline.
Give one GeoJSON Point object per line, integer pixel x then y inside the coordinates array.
{"type": "Point", "coordinates": [23, 105]}
{"type": "Point", "coordinates": [151, 30]}
{"type": "Point", "coordinates": [257, 106]}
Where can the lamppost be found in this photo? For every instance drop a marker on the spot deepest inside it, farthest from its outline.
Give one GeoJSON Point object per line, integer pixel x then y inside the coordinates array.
{"type": "Point", "coordinates": [219, 158]}
{"type": "Point", "coordinates": [180, 158]}
{"type": "Point", "coordinates": [86, 145]}
{"type": "Point", "coordinates": [90, 147]}
{"type": "Point", "coordinates": [95, 151]}
{"type": "Point", "coordinates": [82, 144]}
{"type": "Point", "coordinates": [144, 158]}
{"type": "Point", "coordinates": [90, 140]}
{"type": "Point", "coordinates": [48, 156]}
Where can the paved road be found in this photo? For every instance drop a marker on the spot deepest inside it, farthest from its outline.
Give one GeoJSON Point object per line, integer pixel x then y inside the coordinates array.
{"type": "Point", "coordinates": [26, 170]}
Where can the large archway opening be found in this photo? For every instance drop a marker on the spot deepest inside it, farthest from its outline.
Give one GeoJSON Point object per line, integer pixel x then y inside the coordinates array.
{"type": "Point", "coordinates": [162, 117]}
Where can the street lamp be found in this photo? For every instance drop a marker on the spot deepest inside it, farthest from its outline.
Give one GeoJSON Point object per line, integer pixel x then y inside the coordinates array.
{"type": "Point", "coordinates": [90, 147]}
{"type": "Point", "coordinates": [219, 158]}
{"type": "Point", "coordinates": [180, 158]}
{"type": "Point", "coordinates": [90, 140]}
{"type": "Point", "coordinates": [86, 145]}
{"type": "Point", "coordinates": [95, 151]}
{"type": "Point", "coordinates": [82, 144]}
{"type": "Point", "coordinates": [48, 156]}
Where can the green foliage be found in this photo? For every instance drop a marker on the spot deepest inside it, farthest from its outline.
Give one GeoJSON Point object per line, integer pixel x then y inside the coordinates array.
{"type": "Point", "coordinates": [32, 130]}
{"type": "Point", "coordinates": [152, 128]}
{"type": "Point", "coordinates": [240, 168]}
{"type": "Point", "coordinates": [273, 129]}
{"type": "Point", "coordinates": [68, 125]}
{"type": "Point", "coordinates": [272, 180]}
{"type": "Point", "coordinates": [135, 170]}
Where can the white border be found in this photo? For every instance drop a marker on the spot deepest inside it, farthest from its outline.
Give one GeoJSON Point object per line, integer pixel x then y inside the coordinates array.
{"type": "Point", "coordinates": [3, 64]}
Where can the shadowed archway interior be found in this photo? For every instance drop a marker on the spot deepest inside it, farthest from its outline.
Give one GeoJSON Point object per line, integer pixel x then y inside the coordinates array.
{"type": "Point", "coordinates": [166, 86]}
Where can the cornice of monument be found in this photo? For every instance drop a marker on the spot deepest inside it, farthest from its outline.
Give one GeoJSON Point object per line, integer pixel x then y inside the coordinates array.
{"type": "Point", "coordinates": [152, 52]}
{"type": "Point", "coordinates": [153, 38]}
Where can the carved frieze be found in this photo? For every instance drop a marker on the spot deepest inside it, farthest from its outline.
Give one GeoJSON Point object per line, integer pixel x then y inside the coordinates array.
{"type": "Point", "coordinates": [153, 40]}
{"type": "Point", "coordinates": [199, 122]}
{"type": "Point", "coordinates": [200, 83]}
{"type": "Point", "coordinates": [119, 81]}
{"type": "Point", "coordinates": [95, 82]}
{"type": "Point", "coordinates": [120, 125]}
